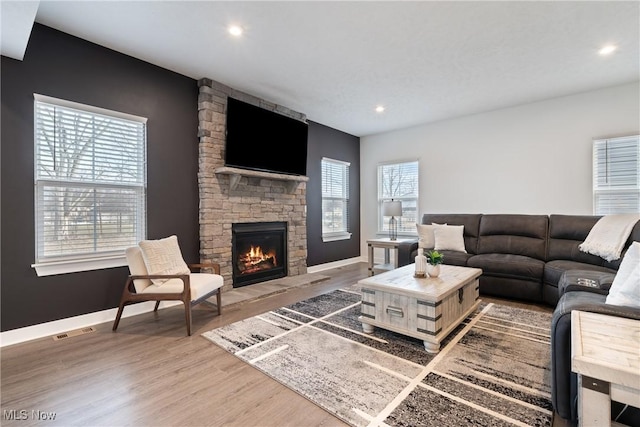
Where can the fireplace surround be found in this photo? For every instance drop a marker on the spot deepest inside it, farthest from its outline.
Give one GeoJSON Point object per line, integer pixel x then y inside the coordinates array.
{"type": "Point", "coordinates": [259, 252]}
{"type": "Point", "coordinates": [227, 197]}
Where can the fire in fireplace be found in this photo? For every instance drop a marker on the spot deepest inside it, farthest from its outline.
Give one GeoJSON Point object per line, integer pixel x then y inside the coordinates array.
{"type": "Point", "coordinates": [255, 260]}
{"type": "Point", "coordinates": [259, 251]}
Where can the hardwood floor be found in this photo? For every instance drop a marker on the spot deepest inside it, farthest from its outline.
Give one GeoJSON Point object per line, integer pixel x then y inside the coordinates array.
{"type": "Point", "coordinates": [149, 373]}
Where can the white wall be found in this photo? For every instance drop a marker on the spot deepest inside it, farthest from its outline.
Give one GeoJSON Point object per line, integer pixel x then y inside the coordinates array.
{"type": "Point", "coordinates": [530, 159]}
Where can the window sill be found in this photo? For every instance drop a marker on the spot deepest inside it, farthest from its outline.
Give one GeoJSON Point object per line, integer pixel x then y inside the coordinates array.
{"type": "Point", "coordinates": [335, 237]}
{"type": "Point", "coordinates": [76, 265]}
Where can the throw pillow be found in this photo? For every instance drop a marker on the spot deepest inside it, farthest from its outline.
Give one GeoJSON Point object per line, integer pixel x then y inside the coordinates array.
{"type": "Point", "coordinates": [163, 256]}
{"type": "Point", "coordinates": [426, 238]}
{"type": "Point", "coordinates": [625, 289]}
{"type": "Point", "coordinates": [449, 238]}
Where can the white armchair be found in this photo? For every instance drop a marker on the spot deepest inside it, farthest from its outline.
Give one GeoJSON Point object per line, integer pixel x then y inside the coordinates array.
{"type": "Point", "coordinates": [158, 273]}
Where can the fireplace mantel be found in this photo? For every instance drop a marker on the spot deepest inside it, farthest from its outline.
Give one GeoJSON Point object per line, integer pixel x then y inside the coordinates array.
{"type": "Point", "coordinates": [236, 173]}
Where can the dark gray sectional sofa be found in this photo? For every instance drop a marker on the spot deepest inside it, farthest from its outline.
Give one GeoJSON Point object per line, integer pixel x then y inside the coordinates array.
{"type": "Point", "coordinates": [521, 256]}
{"type": "Point", "coordinates": [536, 258]}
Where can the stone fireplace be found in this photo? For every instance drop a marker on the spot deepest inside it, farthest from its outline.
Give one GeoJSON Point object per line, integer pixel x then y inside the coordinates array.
{"type": "Point", "coordinates": [229, 197]}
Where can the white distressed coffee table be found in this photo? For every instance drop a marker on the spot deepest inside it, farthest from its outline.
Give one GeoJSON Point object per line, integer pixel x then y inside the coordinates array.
{"type": "Point", "coordinates": [424, 308]}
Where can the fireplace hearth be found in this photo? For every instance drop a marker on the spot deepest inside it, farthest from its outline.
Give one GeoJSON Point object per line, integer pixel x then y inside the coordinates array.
{"type": "Point", "coordinates": [259, 252]}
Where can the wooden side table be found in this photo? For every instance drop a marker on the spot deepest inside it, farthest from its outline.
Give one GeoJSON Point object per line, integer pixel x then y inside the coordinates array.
{"type": "Point", "coordinates": [605, 353]}
{"type": "Point", "coordinates": [387, 244]}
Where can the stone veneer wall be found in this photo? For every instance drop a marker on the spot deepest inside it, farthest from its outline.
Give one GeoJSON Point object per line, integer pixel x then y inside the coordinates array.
{"type": "Point", "coordinates": [253, 200]}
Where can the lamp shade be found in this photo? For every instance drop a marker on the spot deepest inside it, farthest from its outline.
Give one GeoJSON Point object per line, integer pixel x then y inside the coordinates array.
{"type": "Point", "coordinates": [392, 208]}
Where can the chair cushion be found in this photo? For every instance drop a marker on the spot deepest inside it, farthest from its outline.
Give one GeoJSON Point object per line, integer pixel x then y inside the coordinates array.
{"type": "Point", "coordinates": [163, 256]}
{"type": "Point", "coordinates": [201, 284]}
{"type": "Point", "coordinates": [506, 265]}
{"type": "Point", "coordinates": [137, 267]}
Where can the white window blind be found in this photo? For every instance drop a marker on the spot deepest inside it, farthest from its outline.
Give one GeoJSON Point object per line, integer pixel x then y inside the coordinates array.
{"type": "Point", "coordinates": [616, 175]}
{"type": "Point", "coordinates": [90, 179]}
{"type": "Point", "coordinates": [335, 200]}
{"type": "Point", "coordinates": [399, 181]}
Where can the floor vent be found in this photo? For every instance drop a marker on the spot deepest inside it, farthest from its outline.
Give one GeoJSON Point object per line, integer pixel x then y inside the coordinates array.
{"type": "Point", "coordinates": [74, 333]}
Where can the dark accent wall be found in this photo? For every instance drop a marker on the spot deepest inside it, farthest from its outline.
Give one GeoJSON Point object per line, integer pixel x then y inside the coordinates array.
{"type": "Point", "coordinates": [66, 67]}
{"type": "Point", "coordinates": [328, 142]}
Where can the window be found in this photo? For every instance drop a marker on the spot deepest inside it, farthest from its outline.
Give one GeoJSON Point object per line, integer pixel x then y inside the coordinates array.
{"type": "Point", "coordinates": [90, 186]}
{"type": "Point", "coordinates": [399, 181]}
{"type": "Point", "coordinates": [335, 200]}
{"type": "Point", "coordinates": [616, 175]}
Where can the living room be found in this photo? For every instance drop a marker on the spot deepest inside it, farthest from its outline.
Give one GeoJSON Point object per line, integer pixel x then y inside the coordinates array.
{"type": "Point", "coordinates": [530, 157]}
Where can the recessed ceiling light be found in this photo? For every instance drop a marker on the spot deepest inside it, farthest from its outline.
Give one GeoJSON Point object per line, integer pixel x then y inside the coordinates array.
{"type": "Point", "coordinates": [379, 109]}
{"type": "Point", "coordinates": [235, 30]}
{"type": "Point", "coordinates": [609, 49]}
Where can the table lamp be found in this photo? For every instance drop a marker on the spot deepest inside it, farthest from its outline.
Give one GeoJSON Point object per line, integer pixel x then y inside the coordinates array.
{"type": "Point", "coordinates": [392, 209]}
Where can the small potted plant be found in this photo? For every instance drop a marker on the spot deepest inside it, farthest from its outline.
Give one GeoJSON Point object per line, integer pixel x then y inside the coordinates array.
{"type": "Point", "coordinates": [434, 259]}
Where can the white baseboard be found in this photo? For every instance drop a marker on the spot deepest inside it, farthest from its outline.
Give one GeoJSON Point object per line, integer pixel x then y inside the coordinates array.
{"type": "Point", "coordinates": [20, 335]}
{"type": "Point", "coordinates": [335, 264]}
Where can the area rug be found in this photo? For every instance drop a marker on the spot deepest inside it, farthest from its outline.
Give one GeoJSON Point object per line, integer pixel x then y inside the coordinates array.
{"type": "Point", "coordinates": [492, 370]}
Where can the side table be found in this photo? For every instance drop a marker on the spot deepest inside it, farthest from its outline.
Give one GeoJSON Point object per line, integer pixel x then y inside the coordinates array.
{"type": "Point", "coordinates": [387, 244]}
{"type": "Point", "coordinates": [605, 353]}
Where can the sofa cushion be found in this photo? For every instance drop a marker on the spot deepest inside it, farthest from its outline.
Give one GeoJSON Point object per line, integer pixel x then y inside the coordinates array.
{"type": "Point", "coordinates": [553, 269]}
{"type": "Point", "coordinates": [609, 235]}
{"type": "Point", "coordinates": [507, 265]}
{"type": "Point", "coordinates": [455, 258]}
{"type": "Point", "coordinates": [567, 232]}
{"type": "Point", "coordinates": [471, 223]}
{"type": "Point", "coordinates": [524, 235]}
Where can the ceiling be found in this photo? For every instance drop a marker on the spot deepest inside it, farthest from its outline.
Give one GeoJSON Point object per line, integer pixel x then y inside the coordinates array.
{"type": "Point", "coordinates": [336, 61]}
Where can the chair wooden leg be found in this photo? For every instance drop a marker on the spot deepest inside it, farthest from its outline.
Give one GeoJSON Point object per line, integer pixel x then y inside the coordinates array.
{"type": "Point", "coordinates": [117, 321]}
{"type": "Point", "coordinates": [219, 302]}
{"type": "Point", "coordinates": [157, 305]}
{"type": "Point", "coordinates": [187, 314]}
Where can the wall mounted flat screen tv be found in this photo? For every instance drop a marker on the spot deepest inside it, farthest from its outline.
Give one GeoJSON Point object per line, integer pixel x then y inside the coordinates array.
{"type": "Point", "coordinates": [264, 140]}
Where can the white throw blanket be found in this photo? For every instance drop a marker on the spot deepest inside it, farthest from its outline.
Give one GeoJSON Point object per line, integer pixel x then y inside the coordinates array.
{"type": "Point", "coordinates": [608, 236]}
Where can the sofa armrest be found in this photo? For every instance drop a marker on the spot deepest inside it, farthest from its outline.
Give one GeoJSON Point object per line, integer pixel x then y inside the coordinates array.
{"type": "Point", "coordinates": [564, 386]}
{"type": "Point", "coordinates": [593, 303]}
{"type": "Point", "coordinates": [406, 251]}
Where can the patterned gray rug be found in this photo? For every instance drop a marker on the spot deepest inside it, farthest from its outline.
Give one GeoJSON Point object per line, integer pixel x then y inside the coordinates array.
{"type": "Point", "coordinates": [493, 370]}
